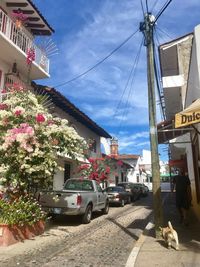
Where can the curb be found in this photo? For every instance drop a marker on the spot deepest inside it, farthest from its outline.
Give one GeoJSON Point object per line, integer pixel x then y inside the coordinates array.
{"type": "Point", "coordinates": [133, 255]}
{"type": "Point", "coordinates": [136, 249]}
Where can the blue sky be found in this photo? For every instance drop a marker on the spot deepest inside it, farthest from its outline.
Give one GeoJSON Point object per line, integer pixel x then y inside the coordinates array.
{"type": "Point", "coordinates": [88, 30]}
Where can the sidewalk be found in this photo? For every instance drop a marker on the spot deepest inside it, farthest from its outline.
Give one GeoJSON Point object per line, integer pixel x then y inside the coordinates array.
{"type": "Point", "coordinates": [153, 252]}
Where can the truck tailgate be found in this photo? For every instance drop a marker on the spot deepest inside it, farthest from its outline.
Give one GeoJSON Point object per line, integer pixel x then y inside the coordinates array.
{"type": "Point", "coordinates": [58, 199]}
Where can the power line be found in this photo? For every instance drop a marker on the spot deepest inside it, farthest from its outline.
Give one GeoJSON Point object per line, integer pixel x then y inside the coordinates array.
{"type": "Point", "coordinates": [147, 6]}
{"type": "Point", "coordinates": [98, 63]}
{"type": "Point", "coordinates": [161, 30]}
{"type": "Point", "coordinates": [126, 86]}
{"type": "Point", "coordinates": [142, 7]}
{"type": "Point", "coordinates": [126, 111]}
{"type": "Point", "coordinates": [158, 77]}
{"type": "Point", "coordinates": [162, 10]}
{"type": "Point", "coordinates": [154, 5]}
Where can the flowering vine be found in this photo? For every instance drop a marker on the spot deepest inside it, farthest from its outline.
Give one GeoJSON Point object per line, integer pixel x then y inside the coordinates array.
{"type": "Point", "coordinates": [30, 140]}
{"type": "Point", "coordinates": [98, 169]}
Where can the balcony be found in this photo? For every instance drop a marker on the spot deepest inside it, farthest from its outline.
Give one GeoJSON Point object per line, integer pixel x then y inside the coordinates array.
{"type": "Point", "coordinates": [14, 43]}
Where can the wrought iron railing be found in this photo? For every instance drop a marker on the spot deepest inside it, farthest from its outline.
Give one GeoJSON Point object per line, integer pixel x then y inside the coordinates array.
{"type": "Point", "coordinates": [19, 38]}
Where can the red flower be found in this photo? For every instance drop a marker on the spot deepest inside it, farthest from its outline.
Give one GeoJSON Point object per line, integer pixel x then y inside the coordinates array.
{"type": "Point", "coordinates": [107, 170]}
{"type": "Point", "coordinates": [40, 118]}
{"type": "Point", "coordinates": [91, 160]}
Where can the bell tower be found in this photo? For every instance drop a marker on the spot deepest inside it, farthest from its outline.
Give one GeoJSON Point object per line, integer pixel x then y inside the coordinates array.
{"type": "Point", "coordinates": [114, 146]}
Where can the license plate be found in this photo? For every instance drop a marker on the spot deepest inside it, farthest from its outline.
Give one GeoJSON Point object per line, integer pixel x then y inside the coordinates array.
{"type": "Point", "coordinates": [57, 210]}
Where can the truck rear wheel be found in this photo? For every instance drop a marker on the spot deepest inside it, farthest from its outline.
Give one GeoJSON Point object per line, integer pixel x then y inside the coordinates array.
{"type": "Point", "coordinates": [87, 216]}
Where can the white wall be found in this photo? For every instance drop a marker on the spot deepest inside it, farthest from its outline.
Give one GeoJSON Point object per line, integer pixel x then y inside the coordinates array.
{"type": "Point", "coordinates": [193, 90]}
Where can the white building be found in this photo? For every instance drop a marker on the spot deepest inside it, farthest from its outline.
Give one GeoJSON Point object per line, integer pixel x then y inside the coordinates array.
{"type": "Point", "coordinates": [180, 68]}
{"type": "Point", "coordinates": [20, 23]}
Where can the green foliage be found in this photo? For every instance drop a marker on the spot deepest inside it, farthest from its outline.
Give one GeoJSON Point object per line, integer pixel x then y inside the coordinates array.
{"type": "Point", "coordinates": [22, 211]}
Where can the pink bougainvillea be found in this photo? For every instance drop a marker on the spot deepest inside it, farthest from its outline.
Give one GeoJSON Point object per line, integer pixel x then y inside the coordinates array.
{"type": "Point", "coordinates": [30, 56]}
{"type": "Point", "coordinates": [40, 118]}
{"type": "Point", "coordinates": [3, 106]}
{"type": "Point", "coordinates": [119, 163]}
{"type": "Point", "coordinates": [98, 169]}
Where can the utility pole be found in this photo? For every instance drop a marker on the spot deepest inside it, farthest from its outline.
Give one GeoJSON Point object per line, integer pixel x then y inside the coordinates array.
{"type": "Point", "coordinates": [147, 28]}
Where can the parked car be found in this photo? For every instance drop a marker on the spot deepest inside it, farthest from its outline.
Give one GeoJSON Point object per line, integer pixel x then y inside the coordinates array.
{"type": "Point", "coordinates": [143, 189]}
{"type": "Point", "coordinates": [118, 195]}
{"type": "Point", "coordinates": [132, 188]}
{"type": "Point", "coordinates": [78, 197]}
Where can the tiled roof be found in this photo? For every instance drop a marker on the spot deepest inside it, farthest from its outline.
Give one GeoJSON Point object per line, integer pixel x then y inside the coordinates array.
{"type": "Point", "coordinates": [63, 103]}
{"type": "Point", "coordinates": [127, 156]}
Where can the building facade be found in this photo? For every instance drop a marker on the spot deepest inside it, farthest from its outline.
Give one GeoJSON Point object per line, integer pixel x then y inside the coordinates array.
{"type": "Point", "coordinates": [180, 68]}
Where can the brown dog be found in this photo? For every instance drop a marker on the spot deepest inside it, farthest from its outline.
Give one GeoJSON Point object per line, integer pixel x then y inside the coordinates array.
{"type": "Point", "coordinates": [169, 234]}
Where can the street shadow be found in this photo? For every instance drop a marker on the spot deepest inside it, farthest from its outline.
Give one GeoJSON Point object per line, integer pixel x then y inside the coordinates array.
{"type": "Point", "coordinates": [64, 220]}
{"type": "Point", "coordinates": [189, 236]}
{"type": "Point", "coordinates": [134, 229]}
{"type": "Point", "coordinates": [134, 236]}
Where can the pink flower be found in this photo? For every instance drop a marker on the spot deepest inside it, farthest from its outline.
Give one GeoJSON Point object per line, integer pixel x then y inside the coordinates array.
{"type": "Point", "coordinates": [119, 163]}
{"type": "Point", "coordinates": [50, 122]}
{"type": "Point", "coordinates": [30, 56]}
{"type": "Point", "coordinates": [3, 106]}
{"type": "Point", "coordinates": [40, 118]}
{"type": "Point", "coordinates": [18, 112]}
{"type": "Point", "coordinates": [3, 91]}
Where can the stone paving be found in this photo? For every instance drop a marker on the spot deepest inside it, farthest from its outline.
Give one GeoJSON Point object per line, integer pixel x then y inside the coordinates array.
{"type": "Point", "coordinates": [106, 241]}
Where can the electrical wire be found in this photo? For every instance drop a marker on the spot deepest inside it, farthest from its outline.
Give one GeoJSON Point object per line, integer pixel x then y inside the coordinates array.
{"type": "Point", "coordinates": [98, 63]}
{"type": "Point", "coordinates": [133, 72]}
{"type": "Point", "coordinates": [126, 86]}
{"type": "Point", "coordinates": [142, 7]}
{"type": "Point", "coordinates": [154, 5]}
{"type": "Point", "coordinates": [147, 6]}
{"type": "Point", "coordinates": [158, 78]}
{"type": "Point", "coordinates": [162, 10]}
{"type": "Point", "coordinates": [161, 30]}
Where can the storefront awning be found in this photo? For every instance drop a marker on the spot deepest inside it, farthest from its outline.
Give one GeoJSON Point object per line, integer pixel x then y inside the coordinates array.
{"type": "Point", "coordinates": [188, 116]}
{"type": "Point", "coordinates": [166, 131]}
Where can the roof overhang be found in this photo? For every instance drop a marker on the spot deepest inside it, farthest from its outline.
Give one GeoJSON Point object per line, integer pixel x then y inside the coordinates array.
{"type": "Point", "coordinates": [64, 104]}
{"type": "Point", "coordinates": [35, 21]}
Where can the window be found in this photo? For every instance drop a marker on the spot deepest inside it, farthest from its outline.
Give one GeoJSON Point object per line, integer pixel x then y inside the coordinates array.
{"type": "Point", "coordinates": [138, 177]}
{"type": "Point", "coordinates": [67, 170]}
{"type": "Point", "coordinates": [99, 189]}
{"type": "Point", "coordinates": [93, 145]}
{"type": "Point", "coordinates": [76, 185]}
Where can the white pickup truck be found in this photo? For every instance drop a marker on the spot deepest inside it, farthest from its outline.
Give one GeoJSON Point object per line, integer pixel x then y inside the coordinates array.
{"type": "Point", "coordinates": [78, 197]}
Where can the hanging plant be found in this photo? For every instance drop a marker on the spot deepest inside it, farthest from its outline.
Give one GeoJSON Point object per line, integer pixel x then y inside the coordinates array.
{"type": "Point", "coordinates": [19, 18]}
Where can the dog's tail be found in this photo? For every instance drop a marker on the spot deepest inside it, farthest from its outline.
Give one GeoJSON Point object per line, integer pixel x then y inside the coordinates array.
{"type": "Point", "coordinates": [170, 225]}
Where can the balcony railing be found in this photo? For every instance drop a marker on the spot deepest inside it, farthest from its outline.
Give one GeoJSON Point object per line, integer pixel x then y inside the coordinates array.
{"type": "Point", "coordinates": [20, 39]}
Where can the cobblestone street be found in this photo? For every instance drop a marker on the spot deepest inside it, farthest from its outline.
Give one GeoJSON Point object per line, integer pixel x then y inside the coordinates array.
{"type": "Point", "coordinates": [106, 241]}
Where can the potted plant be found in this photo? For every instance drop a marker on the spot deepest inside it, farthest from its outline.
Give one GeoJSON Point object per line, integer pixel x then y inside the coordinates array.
{"type": "Point", "coordinates": [20, 218]}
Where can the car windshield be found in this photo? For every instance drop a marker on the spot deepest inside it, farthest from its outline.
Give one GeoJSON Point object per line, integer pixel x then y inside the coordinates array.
{"type": "Point", "coordinates": [76, 185]}
{"type": "Point", "coordinates": [114, 189]}
{"type": "Point", "coordinates": [126, 186]}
